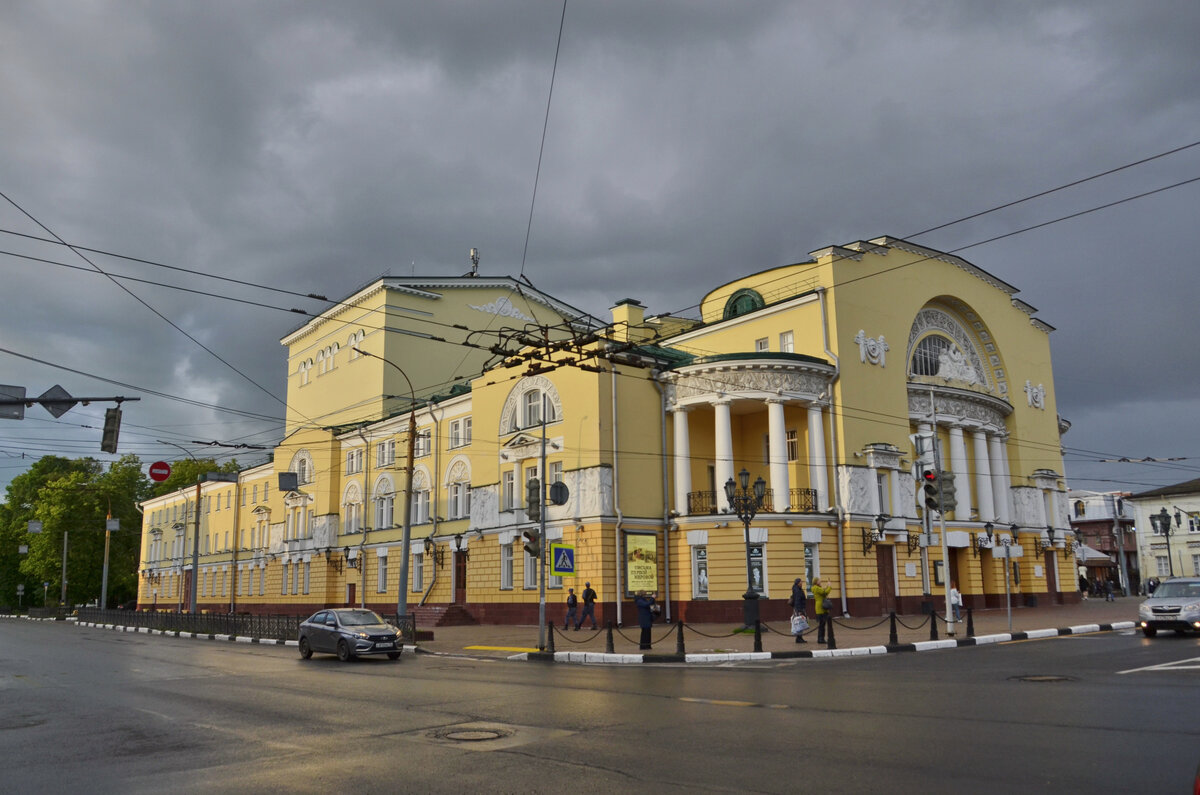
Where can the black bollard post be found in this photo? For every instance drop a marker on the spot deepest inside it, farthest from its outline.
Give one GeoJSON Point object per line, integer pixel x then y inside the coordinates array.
{"type": "Point", "coordinates": [933, 625]}
{"type": "Point", "coordinates": [831, 644]}
{"type": "Point", "coordinates": [757, 635]}
{"type": "Point", "coordinates": [893, 638]}
{"type": "Point", "coordinates": [679, 639]}
{"type": "Point", "coordinates": [970, 624]}
{"type": "Point", "coordinates": [608, 643]}
{"type": "Point", "coordinates": [550, 639]}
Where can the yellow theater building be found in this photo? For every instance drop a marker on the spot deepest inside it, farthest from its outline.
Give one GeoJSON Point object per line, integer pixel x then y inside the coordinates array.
{"type": "Point", "coordinates": [423, 407]}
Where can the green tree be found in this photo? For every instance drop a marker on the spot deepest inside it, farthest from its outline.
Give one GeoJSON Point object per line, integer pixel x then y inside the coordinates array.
{"type": "Point", "coordinates": [73, 498]}
{"type": "Point", "coordinates": [186, 472]}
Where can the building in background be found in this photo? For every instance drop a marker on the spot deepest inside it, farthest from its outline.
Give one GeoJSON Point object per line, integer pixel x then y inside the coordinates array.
{"type": "Point", "coordinates": [1169, 523]}
{"type": "Point", "coordinates": [1108, 539]}
{"type": "Point", "coordinates": [813, 377]}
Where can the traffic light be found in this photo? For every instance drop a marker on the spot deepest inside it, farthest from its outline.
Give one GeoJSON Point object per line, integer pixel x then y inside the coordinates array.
{"type": "Point", "coordinates": [533, 499]}
{"type": "Point", "coordinates": [930, 482]}
{"type": "Point", "coordinates": [533, 542]}
{"type": "Point", "coordinates": [946, 488]}
{"type": "Point", "coordinates": [112, 428]}
{"type": "Point", "coordinates": [923, 446]}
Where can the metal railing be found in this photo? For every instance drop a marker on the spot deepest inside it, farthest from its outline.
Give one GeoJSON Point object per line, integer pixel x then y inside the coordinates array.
{"type": "Point", "coordinates": [799, 501]}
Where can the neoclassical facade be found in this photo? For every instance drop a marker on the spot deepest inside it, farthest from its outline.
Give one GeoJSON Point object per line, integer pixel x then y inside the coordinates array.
{"type": "Point", "coordinates": [813, 377]}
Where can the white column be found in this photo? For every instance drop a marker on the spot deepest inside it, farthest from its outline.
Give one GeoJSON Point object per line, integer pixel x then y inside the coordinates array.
{"type": "Point", "coordinates": [817, 478]}
{"type": "Point", "coordinates": [723, 438]}
{"type": "Point", "coordinates": [683, 460]}
{"type": "Point", "coordinates": [897, 507]}
{"type": "Point", "coordinates": [919, 502]}
{"type": "Point", "coordinates": [777, 447]}
{"type": "Point", "coordinates": [962, 478]}
{"type": "Point", "coordinates": [983, 478]}
{"type": "Point", "coordinates": [1001, 488]}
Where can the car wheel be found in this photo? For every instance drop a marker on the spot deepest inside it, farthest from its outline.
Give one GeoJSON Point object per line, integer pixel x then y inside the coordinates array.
{"type": "Point", "coordinates": [393, 655]}
{"type": "Point", "coordinates": [343, 651]}
{"type": "Point", "coordinates": [305, 649]}
{"type": "Point", "coordinates": [1149, 632]}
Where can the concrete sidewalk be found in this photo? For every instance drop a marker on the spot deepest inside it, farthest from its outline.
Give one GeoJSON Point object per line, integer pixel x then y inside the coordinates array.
{"type": "Point", "coordinates": [720, 642]}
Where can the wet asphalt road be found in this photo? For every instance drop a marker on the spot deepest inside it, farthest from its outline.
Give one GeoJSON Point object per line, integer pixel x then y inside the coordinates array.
{"type": "Point", "coordinates": [91, 710]}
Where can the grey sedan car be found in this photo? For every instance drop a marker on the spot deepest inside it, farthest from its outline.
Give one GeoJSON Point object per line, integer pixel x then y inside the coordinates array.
{"type": "Point", "coordinates": [349, 632]}
{"type": "Point", "coordinates": [1174, 605]}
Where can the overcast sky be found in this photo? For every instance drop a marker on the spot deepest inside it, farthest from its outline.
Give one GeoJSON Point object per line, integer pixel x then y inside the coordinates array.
{"type": "Point", "coordinates": [315, 146]}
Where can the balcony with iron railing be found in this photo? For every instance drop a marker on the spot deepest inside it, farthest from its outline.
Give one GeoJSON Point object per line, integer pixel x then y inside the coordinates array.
{"type": "Point", "coordinates": [799, 501]}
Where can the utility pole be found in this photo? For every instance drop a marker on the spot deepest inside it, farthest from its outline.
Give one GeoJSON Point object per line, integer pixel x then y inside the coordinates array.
{"type": "Point", "coordinates": [195, 548]}
{"type": "Point", "coordinates": [63, 599]}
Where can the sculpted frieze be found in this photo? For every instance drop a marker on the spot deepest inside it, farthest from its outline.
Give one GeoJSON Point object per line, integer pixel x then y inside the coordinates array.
{"type": "Point", "coordinates": [734, 379]}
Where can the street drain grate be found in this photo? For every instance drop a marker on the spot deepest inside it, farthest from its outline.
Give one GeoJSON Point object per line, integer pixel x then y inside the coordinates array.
{"type": "Point", "coordinates": [1043, 678]}
{"type": "Point", "coordinates": [471, 735]}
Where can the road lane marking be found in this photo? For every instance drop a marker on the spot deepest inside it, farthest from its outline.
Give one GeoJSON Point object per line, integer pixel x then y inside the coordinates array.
{"type": "Point", "coordinates": [1192, 664]}
{"type": "Point", "coordinates": [500, 648]}
{"type": "Point", "coordinates": [727, 703]}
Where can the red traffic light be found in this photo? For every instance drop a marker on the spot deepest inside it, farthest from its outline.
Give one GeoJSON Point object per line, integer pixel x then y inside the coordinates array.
{"type": "Point", "coordinates": [929, 476]}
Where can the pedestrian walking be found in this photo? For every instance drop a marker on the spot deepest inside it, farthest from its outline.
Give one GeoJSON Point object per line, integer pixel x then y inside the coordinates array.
{"type": "Point", "coordinates": [1110, 594]}
{"type": "Point", "coordinates": [645, 602]}
{"type": "Point", "coordinates": [589, 606]}
{"type": "Point", "coordinates": [1083, 587]}
{"type": "Point", "coordinates": [572, 604]}
{"type": "Point", "coordinates": [798, 602]}
{"type": "Point", "coordinates": [821, 600]}
{"type": "Point", "coordinates": [955, 601]}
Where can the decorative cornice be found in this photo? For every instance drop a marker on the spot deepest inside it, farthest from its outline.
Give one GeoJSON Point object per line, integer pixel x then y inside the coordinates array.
{"type": "Point", "coordinates": [958, 405]}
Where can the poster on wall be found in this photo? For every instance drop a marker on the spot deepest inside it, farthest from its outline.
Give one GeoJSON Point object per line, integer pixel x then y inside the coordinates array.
{"type": "Point", "coordinates": [641, 562]}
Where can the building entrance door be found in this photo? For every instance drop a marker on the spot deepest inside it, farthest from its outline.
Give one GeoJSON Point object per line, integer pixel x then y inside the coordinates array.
{"type": "Point", "coordinates": [460, 577]}
{"type": "Point", "coordinates": [350, 594]}
{"type": "Point", "coordinates": [886, 564]}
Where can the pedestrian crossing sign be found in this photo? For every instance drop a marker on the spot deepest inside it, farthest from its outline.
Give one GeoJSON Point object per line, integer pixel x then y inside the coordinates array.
{"type": "Point", "coordinates": [562, 560]}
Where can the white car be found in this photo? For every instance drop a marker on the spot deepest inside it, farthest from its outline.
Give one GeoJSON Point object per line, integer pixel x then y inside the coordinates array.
{"type": "Point", "coordinates": [1174, 605]}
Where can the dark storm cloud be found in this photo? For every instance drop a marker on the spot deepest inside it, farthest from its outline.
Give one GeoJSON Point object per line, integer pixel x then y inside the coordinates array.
{"type": "Point", "coordinates": [312, 146]}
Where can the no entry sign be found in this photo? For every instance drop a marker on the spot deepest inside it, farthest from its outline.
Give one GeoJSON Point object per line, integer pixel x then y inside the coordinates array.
{"type": "Point", "coordinates": [160, 471]}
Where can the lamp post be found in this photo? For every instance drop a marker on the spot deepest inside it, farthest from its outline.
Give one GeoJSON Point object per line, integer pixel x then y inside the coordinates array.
{"type": "Point", "coordinates": [1162, 523]}
{"type": "Point", "coordinates": [745, 503]}
{"type": "Point", "coordinates": [406, 532]}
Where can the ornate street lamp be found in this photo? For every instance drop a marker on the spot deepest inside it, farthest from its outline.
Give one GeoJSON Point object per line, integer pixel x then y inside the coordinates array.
{"type": "Point", "coordinates": [746, 504]}
{"type": "Point", "coordinates": [1162, 524]}
{"type": "Point", "coordinates": [979, 539]}
{"type": "Point", "coordinates": [872, 537]}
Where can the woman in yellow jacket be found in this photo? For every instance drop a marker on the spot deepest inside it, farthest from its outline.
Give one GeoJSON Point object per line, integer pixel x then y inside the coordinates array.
{"type": "Point", "coordinates": [820, 594]}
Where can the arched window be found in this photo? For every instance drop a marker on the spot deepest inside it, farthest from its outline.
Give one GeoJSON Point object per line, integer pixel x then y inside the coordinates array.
{"type": "Point", "coordinates": [926, 358]}
{"type": "Point", "coordinates": [1079, 508]}
{"type": "Point", "coordinates": [743, 302]}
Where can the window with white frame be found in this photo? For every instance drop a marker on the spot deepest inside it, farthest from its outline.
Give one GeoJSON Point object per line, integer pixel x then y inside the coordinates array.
{"type": "Point", "coordinates": [354, 461]}
{"type": "Point", "coordinates": [883, 490]}
{"type": "Point", "coordinates": [384, 500]}
{"type": "Point", "coordinates": [1196, 565]}
{"type": "Point", "coordinates": [555, 474]}
{"type": "Point", "coordinates": [793, 447]}
{"type": "Point", "coordinates": [785, 342]}
{"type": "Point", "coordinates": [506, 566]}
{"type": "Point", "coordinates": [533, 408]}
{"type": "Point", "coordinates": [460, 500]}
{"type": "Point", "coordinates": [385, 453]}
{"type": "Point", "coordinates": [284, 581]}
{"type": "Point", "coordinates": [352, 510]}
{"type": "Point", "coordinates": [507, 497]}
{"type": "Point", "coordinates": [381, 575]}
{"type": "Point", "coordinates": [423, 444]}
{"type": "Point", "coordinates": [762, 345]}
{"type": "Point", "coordinates": [420, 506]}
{"type": "Point", "coordinates": [1163, 565]}
{"type": "Point", "coordinates": [460, 432]}
{"type": "Point", "coordinates": [531, 571]}
{"type": "Point", "coordinates": [224, 584]}
{"type": "Point", "coordinates": [418, 571]}
{"type": "Point", "coordinates": [699, 572]}
{"type": "Point", "coordinates": [295, 578]}
{"type": "Point", "coordinates": [302, 471]}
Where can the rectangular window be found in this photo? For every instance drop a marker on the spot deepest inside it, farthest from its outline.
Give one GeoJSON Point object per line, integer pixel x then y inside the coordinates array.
{"type": "Point", "coordinates": [381, 575]}
{"type": "Point", "coordinates": [266, 489]}
{"type": "Point", "coordinates": [254, 495]}
{"type": "Point", "coordinates": [506, 567]}
{"type": "Point", "coordinates": [762, 345]}
{"type": "Point", "coordinates": [531, 571]}
{"type": "Point", "coordinates": [533, 408]}
{"type": "Point", "coordinates": [385, 453]}
{"type": "Point", "coordinates": [466, 431]}
{"type": "Point", "coordinates": [793, 448]}
{"type": "Point", "coordinates": [882, 480]}
{"type": "Point", "coordinates": [1196, 565]}
{"type": "Point", "coordinates": [418, 572]}
{"type": "Point", "coordinates": [243, 498]}
{"type": "Point", "coordinates": [423, 444]}
{"type": "Point", "coordinates": [531, 472]}
{"type": "Point", "coordinates": [226, 548]}
{"type": "Point", "coordinates": [295, 578]}
{"type": "Point", "coordinates": [283, 585]}
{"type": "Point", "coordinates": [699, 572]}
{"type": "Point", "coordinates": [556, 471]}
{"type": "Point", "coordinates": [507, 498]}
{"type": "Point", "coordinates": [262, 582]}
{"type": "Point", "coordinates": [785, 342]}
{"type": "Point", "coordinates": [1164, 565]}
{"type": "Point", "coordinates": [307, 572]}
{"type": "Point", "coordinates": [224, 584]}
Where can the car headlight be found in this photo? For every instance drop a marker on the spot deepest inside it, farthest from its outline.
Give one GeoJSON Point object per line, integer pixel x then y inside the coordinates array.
{"type": "Point", "coordinates": [1144, 610]}
{"type": "Point", "coordinates": [1192, 608]}
{"type": "Point", "coordinates": [361, 635]}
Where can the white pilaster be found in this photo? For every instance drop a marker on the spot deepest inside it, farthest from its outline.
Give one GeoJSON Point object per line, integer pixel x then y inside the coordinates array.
{"type": "Point", "coordinates": [962, 478]}
{"type": "Point", "coordinates": [777, 447]}
{"type": "Point", "coordinates": [983, 478]}
{"type": "Point", "coordinates": [1003, 496]}
{"type": "Point", "coordinates": [723, 437]}
{"type": "Point", "coordinates": [683, 460]}
{"type": "Point", "coordinates": [818, 478]}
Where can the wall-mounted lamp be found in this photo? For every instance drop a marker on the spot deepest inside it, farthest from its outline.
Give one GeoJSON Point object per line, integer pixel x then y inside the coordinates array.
{"type": "Point", "coordinates": [983, 541]}
{"type": "Point", "coordinates": [1040, 546]}
{"type": "Point", "coordinates": [872, 537]}
{"type": "Point", "coordinates": [460, 547]}
{"type": "Point", "coordinates": [914, 542]}
{"type": "Point", "coordinates": [351, 562]}
{"type": "Point", "coordinates": [334, 562]}
{"type": "Point", "coordinates": [439, 554]}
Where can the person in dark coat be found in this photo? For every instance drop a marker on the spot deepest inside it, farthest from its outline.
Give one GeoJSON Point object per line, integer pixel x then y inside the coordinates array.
{"type": "Point", "coordinates": [589, 606]}
{"type": "Point", "coordinates": [644, 603]}
{"type": "Point", "coordinates": [572, 604]}
{"type": "Point", "coordinates": [799, 602]}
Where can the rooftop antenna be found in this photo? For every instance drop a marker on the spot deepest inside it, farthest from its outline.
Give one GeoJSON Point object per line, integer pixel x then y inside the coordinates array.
{"type": "Point", "coordinates": [474, 262]}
